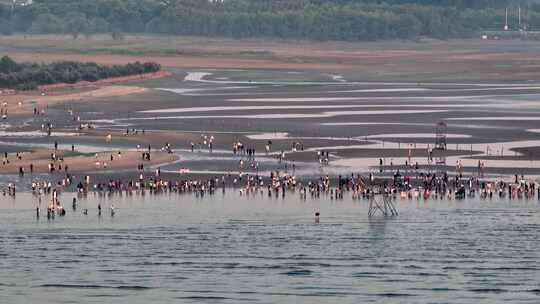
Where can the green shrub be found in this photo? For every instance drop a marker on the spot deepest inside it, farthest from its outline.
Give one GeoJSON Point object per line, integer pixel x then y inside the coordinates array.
{"type": "Point", "coordinates": [28, 76]}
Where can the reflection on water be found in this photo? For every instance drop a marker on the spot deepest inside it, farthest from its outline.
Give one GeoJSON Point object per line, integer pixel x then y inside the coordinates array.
{"type": "Point", "coordinates": [377, 228]}
{"type": "Point", "coordinates": [234, 248]}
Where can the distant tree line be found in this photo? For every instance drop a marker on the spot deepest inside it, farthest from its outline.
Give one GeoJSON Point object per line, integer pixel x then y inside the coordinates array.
{"type": "Point", "coordinates": [28, 76]}
{"type": "Point", "coordinates": [297, 19]}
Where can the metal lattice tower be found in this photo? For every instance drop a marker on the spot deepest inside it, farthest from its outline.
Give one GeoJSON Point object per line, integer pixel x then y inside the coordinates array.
{"type": "Point", "coordinates": [381, 201]}
{"type": "Point", "coordinates": [440, 142]}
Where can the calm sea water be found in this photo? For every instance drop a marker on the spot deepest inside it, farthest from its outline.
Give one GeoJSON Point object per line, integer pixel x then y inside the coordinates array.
{"type": "Point", "coordinates": [232, 249]}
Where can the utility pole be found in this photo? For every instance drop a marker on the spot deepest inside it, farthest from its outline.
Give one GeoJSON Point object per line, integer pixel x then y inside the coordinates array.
{"type": "Point", "coordinates": [519, 18]}
{"type": "Point", "coordinates": [506, 19]}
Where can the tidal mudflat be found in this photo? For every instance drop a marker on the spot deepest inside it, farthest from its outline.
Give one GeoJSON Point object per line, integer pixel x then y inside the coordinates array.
{"type": "Point", "coordinates": [317, 113]}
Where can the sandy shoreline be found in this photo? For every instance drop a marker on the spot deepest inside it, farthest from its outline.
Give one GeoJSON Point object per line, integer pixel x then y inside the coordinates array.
{"type": "Point", "coordinates": [48, 95]}
{"type": "Point", "coordinates": [25, 103]}
{"type": "Point", "coordinates": [40, 160]}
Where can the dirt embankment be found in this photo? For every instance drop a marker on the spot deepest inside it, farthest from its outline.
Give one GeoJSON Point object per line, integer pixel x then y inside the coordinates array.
{"type": "Point", "coordinates": [107, 81]}
{"type": "Point", "coordinates": [25, 102]}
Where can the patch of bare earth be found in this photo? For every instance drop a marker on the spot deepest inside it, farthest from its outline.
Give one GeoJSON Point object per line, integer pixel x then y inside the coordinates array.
{"type": "Point", "coordinates": [40, 160]}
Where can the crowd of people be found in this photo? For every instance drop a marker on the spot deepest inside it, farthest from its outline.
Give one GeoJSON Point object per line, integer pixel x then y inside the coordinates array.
{"type": "Point", "coordinates": [278, 184]}
{"type": "Point", "coordinates": [416, 184]}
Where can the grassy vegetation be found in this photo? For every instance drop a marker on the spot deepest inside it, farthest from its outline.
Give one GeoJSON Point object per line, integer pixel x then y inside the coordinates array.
{"type": "Point", "coordinates": [131, 45]}
{"type": "Point", "coordinates": [28, 76]}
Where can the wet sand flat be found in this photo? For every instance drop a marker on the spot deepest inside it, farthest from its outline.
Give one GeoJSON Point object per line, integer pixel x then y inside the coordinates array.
{"type": "Point", "coordinates": [395, 122]}
{"type": "Point", "coordinates": [69, 162]}
{"type": "Point", "coordinates": [298, 112]}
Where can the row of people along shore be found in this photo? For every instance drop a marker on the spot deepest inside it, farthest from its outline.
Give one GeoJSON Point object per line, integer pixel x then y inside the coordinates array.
{"type": "Point", "coordinates": [356, 186]}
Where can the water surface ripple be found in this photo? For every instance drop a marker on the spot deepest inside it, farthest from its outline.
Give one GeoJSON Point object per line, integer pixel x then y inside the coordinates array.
{"type": "Point", "coordinates": [231, 249]}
